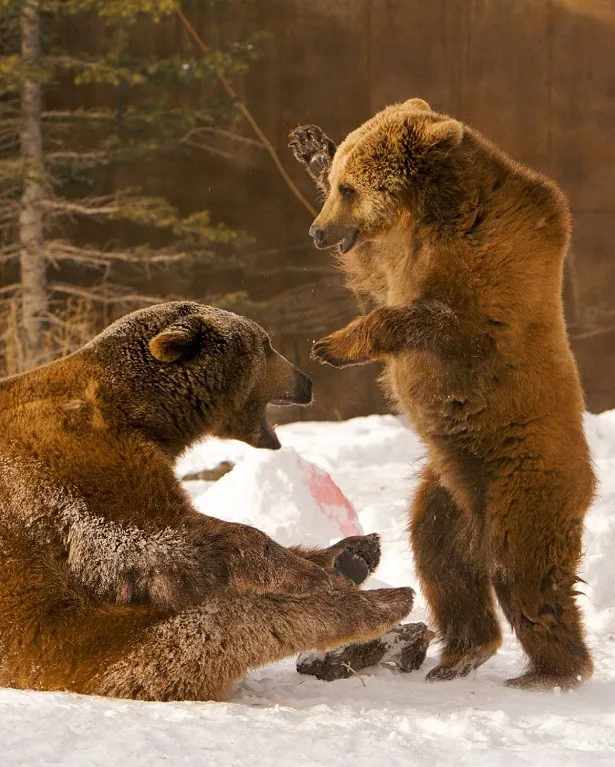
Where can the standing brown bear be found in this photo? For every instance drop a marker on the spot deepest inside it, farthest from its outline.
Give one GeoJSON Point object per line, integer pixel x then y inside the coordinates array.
{"type": "Point", "coordinates": [462, 250]}
{"type": "Point", "coordinates": [111, 583]}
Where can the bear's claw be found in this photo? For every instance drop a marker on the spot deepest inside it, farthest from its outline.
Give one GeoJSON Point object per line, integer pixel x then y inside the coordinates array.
{"type": "Point", "coordinates": [311, 146]}
{"type": "Point", "coordinates": [535, 681]}
{"type": "Point", "coordinates": [321, 351]}
{"type": "Point", "coordinates": [444, 672]}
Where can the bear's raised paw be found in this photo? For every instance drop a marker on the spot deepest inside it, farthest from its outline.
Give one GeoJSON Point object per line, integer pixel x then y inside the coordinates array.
{"type": "Point", "coordinates": [310, 143]}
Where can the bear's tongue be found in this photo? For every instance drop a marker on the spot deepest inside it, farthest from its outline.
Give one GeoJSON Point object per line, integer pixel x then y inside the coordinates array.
{"type": "Point", "coordinates": [349, 241]}
{"type": "Point", "coordinates": [268, 438]}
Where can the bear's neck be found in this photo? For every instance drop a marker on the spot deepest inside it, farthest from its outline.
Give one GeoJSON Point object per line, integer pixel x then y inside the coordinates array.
{"type": "Point", "coordinates": [390, 269]}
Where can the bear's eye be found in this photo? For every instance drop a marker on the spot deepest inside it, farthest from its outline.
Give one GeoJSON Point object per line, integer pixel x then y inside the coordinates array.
{"type": "Point", "coordinates": [345, 190]}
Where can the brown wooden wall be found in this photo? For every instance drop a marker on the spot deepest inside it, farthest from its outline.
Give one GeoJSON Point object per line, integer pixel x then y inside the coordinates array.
{"type": "Point", "coordinates": [536, 76]}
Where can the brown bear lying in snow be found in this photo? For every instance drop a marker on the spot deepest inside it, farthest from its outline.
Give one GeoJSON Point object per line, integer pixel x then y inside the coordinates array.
{"type": "Point", "coordinates": [111, 582]}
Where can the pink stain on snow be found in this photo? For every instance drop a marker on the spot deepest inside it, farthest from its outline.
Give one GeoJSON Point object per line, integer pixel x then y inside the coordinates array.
{"type": "Point", "coordinates": [332, 501]}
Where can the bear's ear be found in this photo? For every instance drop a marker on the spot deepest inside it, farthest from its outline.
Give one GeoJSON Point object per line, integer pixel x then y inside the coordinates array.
{"type": "Point", "coordinates": [178, 341]}
{"type": "Point", "coordinates": [446, 134]}
{"type": "Point", "coordinates": [417, 105]}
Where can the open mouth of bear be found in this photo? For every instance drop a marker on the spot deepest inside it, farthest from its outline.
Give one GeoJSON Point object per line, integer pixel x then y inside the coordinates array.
{"type": "Point", "coordinates": [349, 241]}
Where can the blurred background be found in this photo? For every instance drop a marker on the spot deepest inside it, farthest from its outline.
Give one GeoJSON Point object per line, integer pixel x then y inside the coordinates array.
{"type": "Point", "coordinates": [131, 169]}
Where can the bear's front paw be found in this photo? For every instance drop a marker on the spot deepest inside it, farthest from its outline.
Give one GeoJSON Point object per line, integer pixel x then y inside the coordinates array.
{"type": "Point", "coordinates": [323, 352]}
{"type": "Point", "coordinates": [326, 353]}
{"type": "Point", "coordinates": [357, 557]}
{"type": "Point", "coordinates": [311, 146]}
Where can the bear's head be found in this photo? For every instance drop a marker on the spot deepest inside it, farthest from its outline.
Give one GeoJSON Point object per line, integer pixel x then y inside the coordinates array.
{"type": "Point", "coordinates": [178, 371]}
{"type": "Point", "coordinates": [399, 163]}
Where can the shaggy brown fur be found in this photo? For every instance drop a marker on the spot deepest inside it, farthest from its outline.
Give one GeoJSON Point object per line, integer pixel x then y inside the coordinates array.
{"type": "Point", "coordinates": [461, 249]}
{"type": "Point", "coordinates": [111, 583]}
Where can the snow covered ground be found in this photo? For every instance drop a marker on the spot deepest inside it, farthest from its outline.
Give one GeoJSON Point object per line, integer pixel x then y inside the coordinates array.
{"type": "Point", "coordinates": [383, 717]}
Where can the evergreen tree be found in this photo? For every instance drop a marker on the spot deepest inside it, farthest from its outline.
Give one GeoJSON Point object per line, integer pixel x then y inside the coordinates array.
{"type": "Point", "coordinates": [55, 162]}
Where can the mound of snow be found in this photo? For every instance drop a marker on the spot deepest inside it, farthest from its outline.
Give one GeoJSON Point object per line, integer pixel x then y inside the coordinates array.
{"type": "Point", "coordinates": [287, 497]}
{"type": "Point", "coordinates": [277, 717]}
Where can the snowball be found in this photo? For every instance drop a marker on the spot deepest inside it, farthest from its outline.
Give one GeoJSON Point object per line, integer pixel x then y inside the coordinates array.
{"type": "Point", "coordinates": [287, 497]}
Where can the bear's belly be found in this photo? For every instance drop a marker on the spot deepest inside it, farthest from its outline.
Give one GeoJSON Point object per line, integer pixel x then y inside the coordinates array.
{"type": "Point", "coordinates": [476, 426]}
{"type": "Point", "coordinates": [434, 399]}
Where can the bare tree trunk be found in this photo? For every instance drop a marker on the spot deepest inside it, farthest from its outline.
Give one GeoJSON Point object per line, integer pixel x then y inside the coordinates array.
{"type": "Point", "coordinates": [34, 289]}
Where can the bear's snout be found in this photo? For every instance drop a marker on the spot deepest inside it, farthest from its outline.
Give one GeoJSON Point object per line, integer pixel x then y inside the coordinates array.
{"type": "Point", "coordinates": [302, 394]}
{"type": "Point", "coordinates": [298, 391]}
{"type": "Point", "coordinates": [334, 234]}
{"type": "Point", "coordinates": [317, 233]}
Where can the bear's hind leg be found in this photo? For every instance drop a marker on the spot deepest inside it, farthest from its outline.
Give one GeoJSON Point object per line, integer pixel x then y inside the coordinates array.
{"type": "Point", "coordinates": [451, 563]}
{"type": "Point", "coordinates": [536, 587]}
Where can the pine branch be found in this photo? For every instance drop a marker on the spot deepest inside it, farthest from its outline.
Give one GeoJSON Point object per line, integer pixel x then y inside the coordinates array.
{"type": "Point", "coordinates": [10, 289]}
{"type": "Point", "coordinates": [9, 253]}
{"type": "Point", "coordinates": [176, 70]}
{"type": "Point", "coordinates": [147, 211]}
{"type": "Point", "coordinates": [127, 11]}
{"type": "Point", "coordinates": [200, 138]}
{"type": "Point", "coordinates": [11, 169]}
{"type": "Point", "coordinates": [9, 129]}
{"type": "Point", "coordinates": [106, 294]}
{"type": "Point", "coordinates": [60, 207]}
{"type": "Point", "coordinates": [83, 159]}
{"type": "Point", "coordinates": [115, 10]}
{"type": "Point", "coordinates": [61, 250]}
{"type": "Point", "coordinates": [8, 213]}
{"type": "Point", "coordinates": [234, 137]}
{"type": "Point", "coordinates": [15, 70]}
{"type": "Point", "coordinates": [101, 115]}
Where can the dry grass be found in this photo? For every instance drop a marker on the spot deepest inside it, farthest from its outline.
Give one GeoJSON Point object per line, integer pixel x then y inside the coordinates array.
{"type": "Point", "coordinates": [72, 324]}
